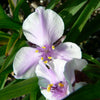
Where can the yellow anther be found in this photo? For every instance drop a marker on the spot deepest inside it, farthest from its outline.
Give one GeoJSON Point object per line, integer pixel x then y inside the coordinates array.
{"type": "Point", "coordinates": [53, 47]}
{"type": "Point", "coordinates": [43, 47]}
{"type": "Point", "coordinates": [41, 58]}
{"type": "Point", "coordinates": [61, 85]}
{"type": "Point", "coordinates": [45, 61]}
{"type": "Point", "coordinates": [49, 87]}
{"type": "Point", "coordinates": [49, 57]}
{"type": "Point", "coordinates": [12, 73]}
{"type": "Point", "coordinates": [36, 51]}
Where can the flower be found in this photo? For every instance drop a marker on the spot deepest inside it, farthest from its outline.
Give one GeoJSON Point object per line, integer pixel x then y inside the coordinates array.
{"type": "Point", "coordinates": [56, 83]}
{"type": "Point", "coordinates": [43, 29]}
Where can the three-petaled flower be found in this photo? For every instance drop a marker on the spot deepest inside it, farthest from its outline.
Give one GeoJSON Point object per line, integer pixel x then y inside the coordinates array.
{"type": "Point", "coordinates": [44, 29]}
{"type": "Point", "coordinates": [56, 83]}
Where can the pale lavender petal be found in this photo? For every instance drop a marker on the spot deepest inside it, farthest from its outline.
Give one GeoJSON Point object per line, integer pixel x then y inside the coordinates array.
{"type": "Point", "coordinates": [59, 68]}
{"type": "Point", "coordinates": [55, 25]}
{"type": "Point", "coordinates": [71, 66]}
{"type": "Point", "coordinates": [48, 95]}
{"type": "Point", "coordinates": [44, 72]}
{"type": "Point", "coordinates": [79, 85]}
{"type": "Point", "coordinates": [78, 64]}
{"type": "Point", "coordinates": [69, 73]}
{"type": "Point", "coordinates": [25, 62]}
{"type": "Point", "coordinates": [67, 51]}
{"type": "Point", "coordinates": [43, 27]}
{"type": "Point", "coordinates": [32, 29]}
{"type": "Point", "coordinates": [43, 83]}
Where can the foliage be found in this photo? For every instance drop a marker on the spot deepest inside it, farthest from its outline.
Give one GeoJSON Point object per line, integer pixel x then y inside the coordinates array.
{"type": "Point", "coordinates": [79, 26]}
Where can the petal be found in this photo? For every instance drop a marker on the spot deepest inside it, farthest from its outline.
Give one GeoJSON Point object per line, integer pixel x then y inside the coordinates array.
{"type": "Point", "coordinates": [79, 85]}
{"type": "Point", "coordinates": [44, 72]}
{"type": "Point", "coordinates": [68, 51]}
{"type": "Point", "coordinates": [77, 64]}
{"type": "Point", "coordinates": [59, 68]}
{"type": "Point", "coordinates": [71, 66]}
{"type": "Point", "coordinates": [25, 62]}
{"type": "Point", "coordinates": [43, 83]}
{"type": "Point", "coordinates": [48, 95]}
{"type": "Point", "coordinates": [43, 27]}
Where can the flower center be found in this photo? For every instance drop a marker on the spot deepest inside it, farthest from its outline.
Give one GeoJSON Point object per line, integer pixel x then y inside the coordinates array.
{"type": "Point", "coordinates": [58, 87]}
{"type": "Point", "coordinates": [47, 52]}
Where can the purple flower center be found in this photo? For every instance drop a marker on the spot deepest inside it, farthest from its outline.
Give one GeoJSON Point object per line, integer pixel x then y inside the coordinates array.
{"type": "Point", "coordinates": [58, 90]}
{"type": "Point", "coordinates": [46, 52]}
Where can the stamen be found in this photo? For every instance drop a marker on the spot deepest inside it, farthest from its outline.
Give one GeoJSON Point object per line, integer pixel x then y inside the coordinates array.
{"type": "Point", "coordinates": [13, 73]}
{"type": "Point", "coordinates": [49, 87]}
{"type": "Point", "coordinates": [61, 85]}
{"type": "Point", "coordinates": [49, 57]}
{"type": "Point", "coordinates": [45, 61]}
{"type": "Point", "coordinates": [53, 47]}
{"type": "Point", "coordinates": [36, 51]}
{"type": "Point", "coordinates": [43, 47]}
{"type": "Point", "coordinates": [42, 58]}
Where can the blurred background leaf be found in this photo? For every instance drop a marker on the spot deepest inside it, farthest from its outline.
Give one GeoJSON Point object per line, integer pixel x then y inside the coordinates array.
{"type": "Point", "coordinates": [7, 22]}
{"type": "Point", "coordinates": [52, 4]}
{"type": "Point", "coordinates": [19, 89]}
{"type": "Point", "coordinates": [70, 11]}
{"type": "Point", "coordinates": [10, 58]}
{"type": "Point", "coordinates": [4, 38]}
{"type": "Point", "coordinates": [81, 21]}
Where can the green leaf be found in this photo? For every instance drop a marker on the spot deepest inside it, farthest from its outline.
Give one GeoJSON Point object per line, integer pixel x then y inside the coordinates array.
{"type": "Point", "coordinates": [3, 78]}
{"type": "Point", "coordinates": [26, 9]}
{"type": "Point", "coordinates": [2, 56]}
{"type": "Point", "coordinates": [6, 22]}
{"type": "Point", "coordinates": [8, 70]}
{"type": "Point", "coordinates": [2, 59]}
{"type": "Point", "coordinates": [69, 9]}
{"type": "Point", "coordinates": [11, 43]}
{"type": "Point", "coordinates": [81, 21]}
{"type": "Point", "coordinates": [42, 98]}
{"type": "Point", "coordinates": [2, 50]}
{"type": "Point", "coordinates": [4, 37]}
{"type": "Point", "coordinates": [18, 89]}
{"type": "Point", "coordinates": [26, 97]}
{"type": "Point", "coordinates": [90, 28]}
{"type": "Point", "coordinates": [98, 5]}
{"type": "Point", "coordinates": [93, 72]}
{"type": "Point", "coordinates": [10, 58]}
{"type": "Point", "coordinates": [88, 92]}
{"type": "Point", "coordinates": [52, 4]}
{"type": "Point", "coordinates": [33, 95]}
{"type": "Point", "coordinates": [12, 6]}
{"type": "Point", "coordinates": [91, 59]}
{"type": "Point", "coordinates": [23, 5]}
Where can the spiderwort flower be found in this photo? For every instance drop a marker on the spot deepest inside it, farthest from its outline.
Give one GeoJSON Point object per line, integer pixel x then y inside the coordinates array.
{"type": "Point", "coordinates": [44, 29]}
{"type": "Point", "coordinates": [56, 84]}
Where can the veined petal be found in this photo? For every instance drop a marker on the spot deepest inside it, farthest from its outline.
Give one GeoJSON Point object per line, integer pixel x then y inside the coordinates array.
{"type": "Point", "coordinates": [79, 85]}
{"type": "Point", "coordinates": [59, 66]}
{"type": "Point", "coordinates": [43, 27]}
{"type": "Point", "coordinates": [71, 66]}
{"type": "Point", "coordinates": [48, 95]}
{"type": "Point", "coordinates": [67, 51]}
{"type": "Point", "coordinates": [44, 72]}
{"type": "Point", "coordinates": [25, 62]}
